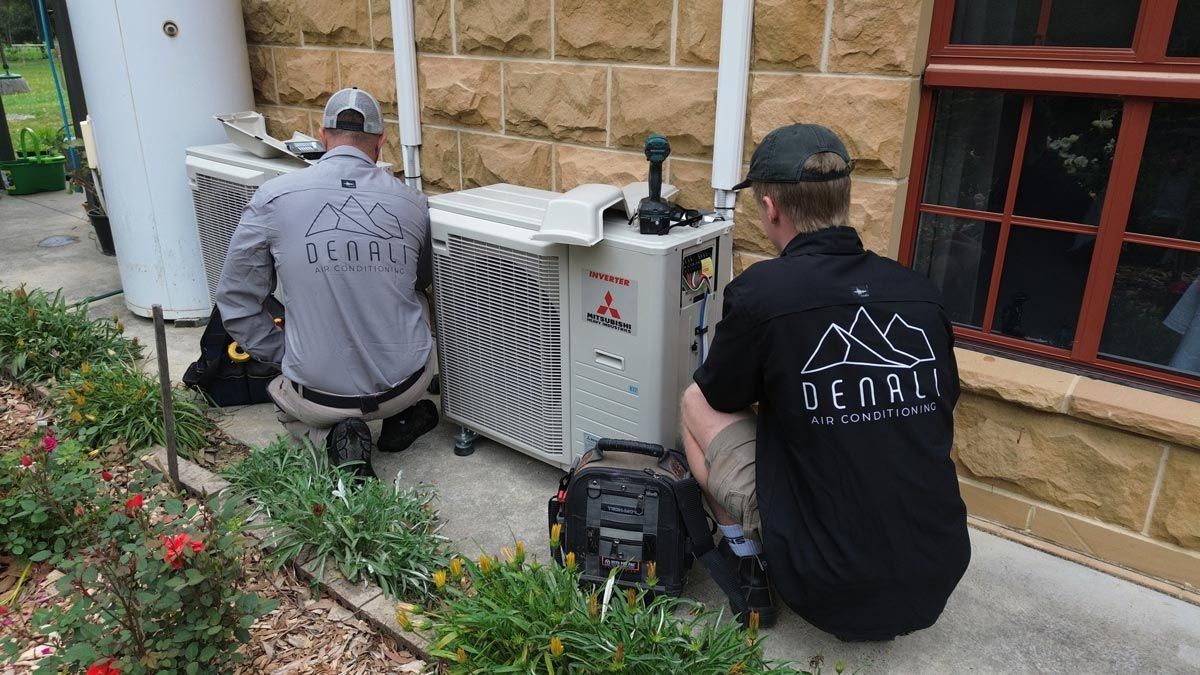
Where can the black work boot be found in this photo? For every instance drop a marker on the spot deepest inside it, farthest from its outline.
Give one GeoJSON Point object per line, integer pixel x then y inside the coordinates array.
{"type": "Point", "coordinates": [400, 430]}
{"type": "Point", "coordinates": [350, 441]}
{"type": "Point", "coordinates": [755, 583]}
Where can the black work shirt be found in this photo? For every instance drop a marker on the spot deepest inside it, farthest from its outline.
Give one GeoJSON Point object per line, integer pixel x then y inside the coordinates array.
{"type": "Point", "coordinates": [850, 358]}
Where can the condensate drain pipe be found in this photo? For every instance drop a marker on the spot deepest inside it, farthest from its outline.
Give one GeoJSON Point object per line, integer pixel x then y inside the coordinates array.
{"type": "Point", "coordinates": [408, 103]}
{"type": "Point", "coordinates": [733, 77]}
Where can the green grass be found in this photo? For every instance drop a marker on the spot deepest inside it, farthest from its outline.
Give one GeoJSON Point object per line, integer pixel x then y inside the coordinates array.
{"type": "Point", "coordinates": [41, 102]}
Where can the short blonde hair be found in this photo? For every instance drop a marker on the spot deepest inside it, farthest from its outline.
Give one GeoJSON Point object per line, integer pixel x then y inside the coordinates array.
{"type": "Point", "coordinates": [812, 205]}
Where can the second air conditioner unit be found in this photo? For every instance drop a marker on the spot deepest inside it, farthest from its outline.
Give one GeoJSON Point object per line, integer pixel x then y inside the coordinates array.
{"type": "Point", "coordinates": [559, 324]}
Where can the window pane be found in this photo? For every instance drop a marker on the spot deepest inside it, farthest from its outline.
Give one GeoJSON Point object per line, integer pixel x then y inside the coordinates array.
{"type": "Point", "coordinates": [957, 255]}
{"type": "Point", "coordinates": [1166, 201]}
{"type": "Point", "coordinates": [1041, 287]}
{"type": "Point", "coordinates": [1154, 313]}
{"type": "Point", "coordinates": [1185, 37]}
{"type": "Point", "coordinates": [970, 156]}
{"type": "Point", "coordinates": [1070, 23]}
{"type": "Point", "coordinates": [1068, 158]}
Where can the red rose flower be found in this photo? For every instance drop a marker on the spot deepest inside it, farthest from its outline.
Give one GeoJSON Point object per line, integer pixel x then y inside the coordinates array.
{"type": "Point", "coordinates": [106, 476]}
{"type": "Point", "coordinates": [104, 668]}
{"type": "Point", "coordinates": [49, 442]}
{"type": "Point", "coordinates": [136, 502]}
{"type": "Point", "coordinates": [176, 545]}
{"type": "Point", "coordinates": [26, 460]}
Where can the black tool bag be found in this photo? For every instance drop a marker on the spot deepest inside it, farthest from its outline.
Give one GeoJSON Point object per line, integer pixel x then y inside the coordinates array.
{"type": "Point", "coordinates": [219, 377]}
{"type": "Point", "coordinates": [626, 503]}
{"type": "Point", "coordinates": [617, 508]}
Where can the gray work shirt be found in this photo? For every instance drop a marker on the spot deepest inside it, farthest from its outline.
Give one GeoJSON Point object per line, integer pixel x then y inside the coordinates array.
{"type": "Point", "coordinates": [350, 245]}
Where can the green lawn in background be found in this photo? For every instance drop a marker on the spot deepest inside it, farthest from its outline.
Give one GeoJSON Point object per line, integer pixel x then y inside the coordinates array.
{"type": "Point", "coordinates": [41, 102]}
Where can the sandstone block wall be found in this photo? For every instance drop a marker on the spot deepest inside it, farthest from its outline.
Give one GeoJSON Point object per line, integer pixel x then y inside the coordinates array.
{"type": "Point", "coordinates": [552, 94]}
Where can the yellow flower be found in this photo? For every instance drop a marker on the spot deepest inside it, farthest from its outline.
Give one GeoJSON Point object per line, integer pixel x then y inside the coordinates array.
{"type": "Point", "coordinates": [80, 401]}
{"type": "Point", "coordinates": [90, 418]}
{"type": "Point", "coordinates": [120, 386]}
{"type": "Point", "coordinates": [556, 647]}
{"type": "Point", "coordinates": [71, 393]}
{"type": "Point", "coordinates": [619, 655]}
{"type": "Point", "coordinates": [88, 387]}
{"type": "Point", "coordinates": [439, 579]}
{"type": "Point", "coordinates": [456, 567]}
{"type": "Point", "coordinates": [141, 393]}
{"type": "Point", "coordinates": [85, 368]}
{"type": "Point", "coordinates": [135, 341]}
{"type": "Point", "coordinates": [32, 314]}
{"type": "Point", "coordinates": [76, 417]}
{"type": "Point", "coordinates": [555, 534]}
{"type": "Point", "coordinates": [461, 655]}
{"type": "Point", "coordinates": [507, 554]}
{"type": "Point", "coordinates": [21, 343]}
{"type": "Point", "coordinates": [738, 668]}
{"type": "Point", "coordinates": [652, 573]}
{"type": "Point", "coordinates": [752, 624]}
{"type": "Point", "coordinates": [520, 552]}
{"type": "Point", "coordinates": [631, 599]}
{"type": "Point", "coordinates": [485, 563]}
{"type": "Point", "coordinates": [115, 317]}
{"type": "Point", "coordinates": [120, 327]}
{"type": "Point", "coordinates": [593, 606]}
{"type": "Point", "coordinates": [402, 619]}
{"type": "Point", "coordinates": [570, 561]}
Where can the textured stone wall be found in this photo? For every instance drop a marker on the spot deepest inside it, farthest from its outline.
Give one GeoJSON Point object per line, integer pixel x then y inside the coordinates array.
{"type": "Point", "coordinates": [552, 94]}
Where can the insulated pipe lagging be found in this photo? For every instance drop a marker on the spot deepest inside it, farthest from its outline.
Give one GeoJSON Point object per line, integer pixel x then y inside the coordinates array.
{"type": "Point", "coordinates": [733, 77]}
{"type": "Point", "coordinates": [408, 100]}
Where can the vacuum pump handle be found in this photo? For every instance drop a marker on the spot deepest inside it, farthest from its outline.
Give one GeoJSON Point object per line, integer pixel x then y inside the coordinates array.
{"type": "Point", "coordinates": [621, 445]}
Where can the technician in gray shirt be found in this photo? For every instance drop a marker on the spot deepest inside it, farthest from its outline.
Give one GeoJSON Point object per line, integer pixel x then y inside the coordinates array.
{"type": "Point", "coordinates": [350, 244]}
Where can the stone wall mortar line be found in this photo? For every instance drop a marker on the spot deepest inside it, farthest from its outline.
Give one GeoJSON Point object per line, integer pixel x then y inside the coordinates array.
{"type": "Point", "coordinates": [1065, 408]}
{"type": "Point", "coordinates": [826, 38]}
{"type": "Point", "coordinates": [674, 29]}
{"type": "Point", "coordinates": [879, 180]}
{"type": "Point", "coordinates": [608, 109]}
{"type": "Point", "coordinates": [503, 109]}
{"type": "Point", "coordinates": [551, 141]}
{"type": "Point", "coordinates": [453, 27]}
{"type": "Point", "coordinates": [554, 167]}
{"type": "Point", "coordinates": [775, 72]}
{"type": "Point", "coordinates": [1158, 483]}
{"type": "Point", "coordinates": [1029, 513]}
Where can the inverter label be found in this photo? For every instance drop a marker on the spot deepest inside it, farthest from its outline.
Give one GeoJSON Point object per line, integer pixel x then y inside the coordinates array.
{"type": "Point", "coordinates": [610, 301]}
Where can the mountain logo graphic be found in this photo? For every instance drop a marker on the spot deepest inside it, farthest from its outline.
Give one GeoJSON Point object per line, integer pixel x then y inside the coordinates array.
{"type": "Point", "coordinates": [900, 345]}
{"type": "Point", "coordinates": [353, 218]}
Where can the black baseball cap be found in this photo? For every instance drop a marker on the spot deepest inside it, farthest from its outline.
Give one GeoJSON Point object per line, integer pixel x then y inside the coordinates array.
{"type": "Point", "coordinates": [781, 156]}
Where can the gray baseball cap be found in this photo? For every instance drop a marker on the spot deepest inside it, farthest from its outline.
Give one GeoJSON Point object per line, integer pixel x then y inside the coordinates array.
{"type": "Point", "coordinates": [359, 101]}
{"type": "Point", "coordinates": [781, 156]}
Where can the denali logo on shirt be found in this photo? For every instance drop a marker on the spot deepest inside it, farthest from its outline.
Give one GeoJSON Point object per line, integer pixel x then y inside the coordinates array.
{"type": "Point", "coordinates": [900, 348]}
{"type": "Point", "coordinates": [375, 236]}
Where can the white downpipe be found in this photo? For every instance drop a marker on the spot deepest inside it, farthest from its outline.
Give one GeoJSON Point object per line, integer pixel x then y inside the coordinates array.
{"type": "Point", "coordinates": [733, 78]}
{"type": "Point", "coordinates": [408, 102]}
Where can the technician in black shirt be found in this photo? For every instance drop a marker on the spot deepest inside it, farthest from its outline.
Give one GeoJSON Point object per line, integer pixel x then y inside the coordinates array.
{"type": "Point", "coordinates": [842, 484]}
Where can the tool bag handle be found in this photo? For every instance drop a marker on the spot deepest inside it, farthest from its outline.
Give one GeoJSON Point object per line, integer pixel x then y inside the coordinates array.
{"type": "Point", "coordinates": [689, 500]}
{"type": "Point", "coordinates": [621, 445]}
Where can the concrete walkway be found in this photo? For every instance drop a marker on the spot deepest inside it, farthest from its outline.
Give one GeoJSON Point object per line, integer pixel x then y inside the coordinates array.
{"type": "Point", "coordinates": [1018, 610]}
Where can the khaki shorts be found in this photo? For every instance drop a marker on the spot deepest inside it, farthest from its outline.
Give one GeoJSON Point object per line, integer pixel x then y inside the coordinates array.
{"type": "Point", "coordinates": [731, 475]}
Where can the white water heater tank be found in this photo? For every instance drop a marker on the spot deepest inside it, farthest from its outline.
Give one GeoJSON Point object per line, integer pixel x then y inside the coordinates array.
{"type": "Point", "coordinates": [155, 73]}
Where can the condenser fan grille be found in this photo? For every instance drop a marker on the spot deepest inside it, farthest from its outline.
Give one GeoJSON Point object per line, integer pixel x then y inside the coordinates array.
{"type": "Point", "coordinates": [219, 205]}
{"type": "Point", "coordinates": [500, 324]}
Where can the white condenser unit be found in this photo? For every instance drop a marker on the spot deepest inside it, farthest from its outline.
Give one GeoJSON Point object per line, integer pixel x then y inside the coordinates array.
{"type": "Point", "coordinates": [559, 324]}
{"type": "Point", "coordinates": [223, 178]}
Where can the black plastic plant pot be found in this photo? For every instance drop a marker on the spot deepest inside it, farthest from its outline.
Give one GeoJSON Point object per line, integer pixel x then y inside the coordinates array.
{"type": "Point", "coordinates": [104, 238]}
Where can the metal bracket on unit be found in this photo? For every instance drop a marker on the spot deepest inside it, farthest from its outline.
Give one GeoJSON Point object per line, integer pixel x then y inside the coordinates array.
{"type": "Point", "coordinates": [464, 442]}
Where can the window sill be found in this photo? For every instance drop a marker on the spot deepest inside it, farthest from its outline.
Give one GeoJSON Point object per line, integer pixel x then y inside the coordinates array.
{"type": "Point", "coordinates": [1147, 413]}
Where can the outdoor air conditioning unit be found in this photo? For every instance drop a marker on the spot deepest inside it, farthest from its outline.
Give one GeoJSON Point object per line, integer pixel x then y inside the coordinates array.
{"type": "Point", "coordinates": [559, 324]}
{"type": "Point", "coordinates": [223, 178]}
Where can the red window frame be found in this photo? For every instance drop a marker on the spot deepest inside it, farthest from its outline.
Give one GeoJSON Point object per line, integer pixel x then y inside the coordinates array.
{"type": "Point", "coordinates": [1140, 75]}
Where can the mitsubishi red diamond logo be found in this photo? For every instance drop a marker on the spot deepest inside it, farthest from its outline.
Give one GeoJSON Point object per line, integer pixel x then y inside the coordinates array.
{"type": "Point", "coordinates": [607, 308]}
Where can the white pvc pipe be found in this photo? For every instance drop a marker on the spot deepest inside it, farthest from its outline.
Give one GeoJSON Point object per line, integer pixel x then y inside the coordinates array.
{"type": "Point", "coordinates": [733, 78]}
{"type": "Point", "coordinates": [408, 103]}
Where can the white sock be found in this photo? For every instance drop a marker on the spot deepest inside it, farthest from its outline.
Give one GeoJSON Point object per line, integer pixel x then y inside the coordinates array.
{"type": "Point", "coordinates": [738, 542]}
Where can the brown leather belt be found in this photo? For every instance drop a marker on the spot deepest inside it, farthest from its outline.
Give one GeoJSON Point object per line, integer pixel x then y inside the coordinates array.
{"type": "Point", "coordinates": [366, 404]}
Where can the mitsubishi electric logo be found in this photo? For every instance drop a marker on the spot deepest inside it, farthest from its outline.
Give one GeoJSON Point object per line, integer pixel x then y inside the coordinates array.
{"type": "Point", "coordinates": [607, 307]}
{"type": "Point", "coordinates": [844, 393]}
{"type": "Point", "coordinates": [863, 344]}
